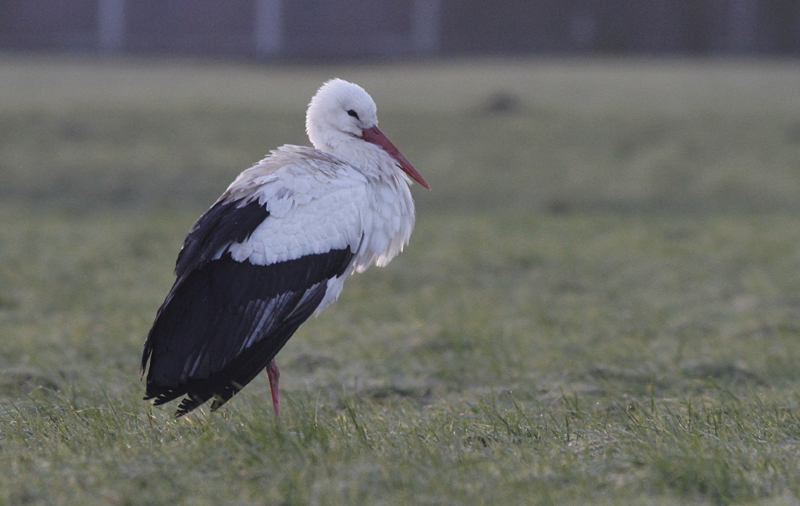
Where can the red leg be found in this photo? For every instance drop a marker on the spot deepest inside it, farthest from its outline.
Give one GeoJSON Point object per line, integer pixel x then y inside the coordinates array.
{"type": "Point", "coordinates": [274, 375]}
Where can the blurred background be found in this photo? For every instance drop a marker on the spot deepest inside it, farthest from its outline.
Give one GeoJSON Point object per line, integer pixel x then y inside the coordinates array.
{"type": "Point", "coordinates": [547, 104]}
{"type": "Point", "coordinates": [314, 29]}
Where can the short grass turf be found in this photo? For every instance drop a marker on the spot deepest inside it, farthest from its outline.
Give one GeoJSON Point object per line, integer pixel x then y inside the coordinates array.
{"type": "Point", "coordinates": [599, 304]}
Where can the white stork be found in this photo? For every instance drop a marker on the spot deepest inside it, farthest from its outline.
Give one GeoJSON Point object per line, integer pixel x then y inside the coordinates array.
{"type": "Point", "coordinates": [275, 248]}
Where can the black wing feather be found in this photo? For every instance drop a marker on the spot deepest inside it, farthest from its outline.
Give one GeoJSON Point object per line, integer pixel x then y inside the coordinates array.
{"type": "Point", "coordinates": [226, 222]}
{"type": "Point", "coordinates": [206, 340]}
{"type": "Point", "coordinates": [224, 320]}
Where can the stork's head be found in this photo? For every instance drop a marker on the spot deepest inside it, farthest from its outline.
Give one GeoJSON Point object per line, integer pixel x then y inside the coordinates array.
{"type": "Point", "coordinates": [341, 113]}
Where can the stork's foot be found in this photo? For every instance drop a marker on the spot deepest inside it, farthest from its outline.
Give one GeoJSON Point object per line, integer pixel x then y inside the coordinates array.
{"type": "Point", "coordinates": [274, 375]}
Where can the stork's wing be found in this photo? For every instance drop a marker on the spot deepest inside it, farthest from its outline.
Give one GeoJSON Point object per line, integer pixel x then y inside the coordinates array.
{"type": "Point", "coordinates": [226, 320]}
{"type": "Point", "coordinates": [253, 268]}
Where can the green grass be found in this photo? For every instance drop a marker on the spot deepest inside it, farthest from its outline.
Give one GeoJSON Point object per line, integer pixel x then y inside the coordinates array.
{"type": "Point", "coordinates": [599, 304]}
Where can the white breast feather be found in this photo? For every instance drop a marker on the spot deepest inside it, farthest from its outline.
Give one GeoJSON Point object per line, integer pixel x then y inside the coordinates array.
{"type": "Point", "coordinates": [318, 203]}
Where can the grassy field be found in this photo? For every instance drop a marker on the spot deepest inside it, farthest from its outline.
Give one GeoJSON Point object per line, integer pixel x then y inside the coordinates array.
{"type": "Point", "coordinates": [600, 303]}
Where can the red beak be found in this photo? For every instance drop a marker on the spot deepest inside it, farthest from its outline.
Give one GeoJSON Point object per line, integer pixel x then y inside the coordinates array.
{"type": "Point", "coordinates": [375, 136]}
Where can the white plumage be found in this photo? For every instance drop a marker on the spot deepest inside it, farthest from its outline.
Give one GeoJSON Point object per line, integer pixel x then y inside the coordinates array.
{"type": "Point", "coordinates": [276, 247]}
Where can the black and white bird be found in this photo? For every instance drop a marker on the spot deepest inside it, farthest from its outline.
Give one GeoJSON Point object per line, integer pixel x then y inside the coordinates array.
{"type": "Point", "coordinates": [276, 248]}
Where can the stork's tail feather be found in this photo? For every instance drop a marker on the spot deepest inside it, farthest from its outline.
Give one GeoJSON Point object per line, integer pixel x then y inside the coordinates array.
{"type": "Point", "coordinates": [190, 403]}
{"type": "Point", "coordinates": [193, 399]}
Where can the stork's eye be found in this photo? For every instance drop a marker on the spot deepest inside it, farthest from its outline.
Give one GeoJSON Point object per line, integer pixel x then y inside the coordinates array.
{"type": "Point", "coordinates": [353, 113]}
